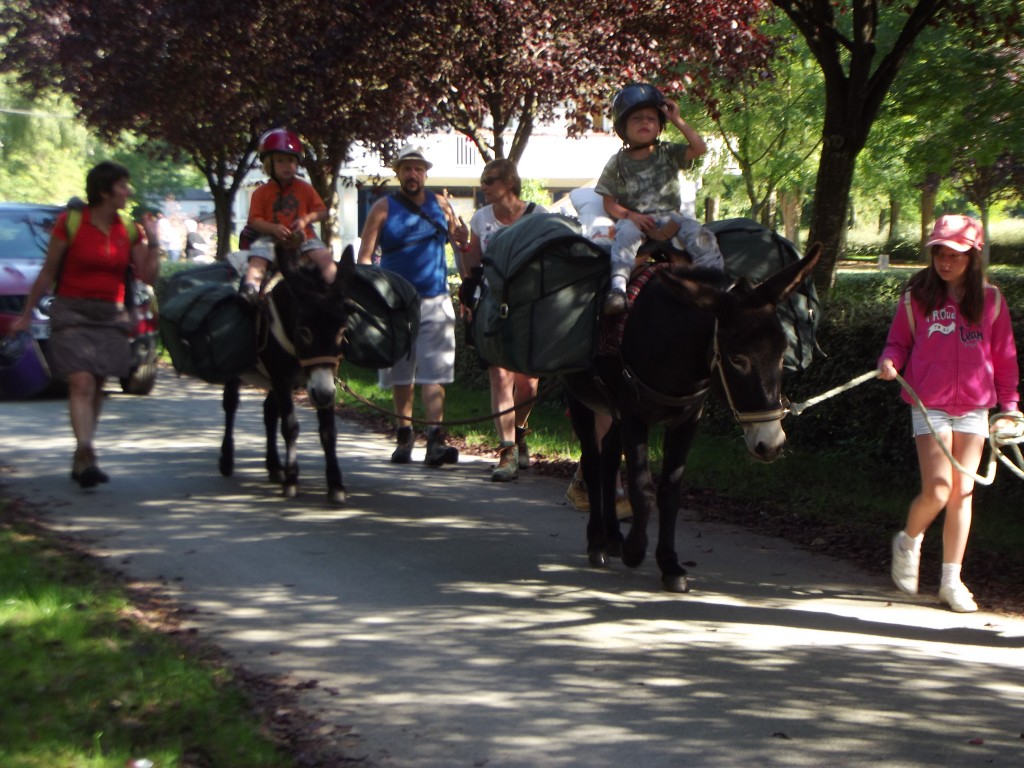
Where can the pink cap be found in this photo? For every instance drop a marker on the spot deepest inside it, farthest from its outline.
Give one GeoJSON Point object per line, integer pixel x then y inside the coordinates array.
{"type": "Point", "coordinates": [961, 233]}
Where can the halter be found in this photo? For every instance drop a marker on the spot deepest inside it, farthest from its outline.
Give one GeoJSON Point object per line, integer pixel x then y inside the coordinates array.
{"type": "Point", "coordinates": [750, 417]}
{"type": "Point", "coordinates": [277, 330]}
{"type": "Point", "coordinates": [681, 401]}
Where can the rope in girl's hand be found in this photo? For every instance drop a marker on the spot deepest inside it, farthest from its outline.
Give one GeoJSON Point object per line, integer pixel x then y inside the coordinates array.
{"type": "Point", "coordinates": [1010, 436]}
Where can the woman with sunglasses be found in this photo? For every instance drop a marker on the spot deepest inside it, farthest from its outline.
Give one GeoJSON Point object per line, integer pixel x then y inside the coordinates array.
{"type": "Point", "coordinates": [502, 189]}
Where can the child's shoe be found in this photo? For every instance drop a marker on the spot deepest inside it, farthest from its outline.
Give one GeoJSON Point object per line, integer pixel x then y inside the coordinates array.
{"type": "Point", "coordinates": [614, 302]}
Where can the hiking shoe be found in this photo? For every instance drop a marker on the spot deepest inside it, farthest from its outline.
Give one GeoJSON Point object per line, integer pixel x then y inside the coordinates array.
{"type": "Point", "coordinates": [508, 464]}
{"type": "Point", "coordinates": [576, 494]}
{"type": "Point", "coordinates": [84, 470]}
{"type": "Point", "coordinates": [614, 302]}
{"type": "Point", "coordinates": [523, 449]}
{"type": "Point", "coordinates": [905, 565]}
{"type": "Point", "coordinates": [958, 598]}
{"type": "Point", "coordinates": [438, 450]}
{"type": "Point", "coordinates": [250, 293]}
{"type": "Point", "coordinates": [406, 440]}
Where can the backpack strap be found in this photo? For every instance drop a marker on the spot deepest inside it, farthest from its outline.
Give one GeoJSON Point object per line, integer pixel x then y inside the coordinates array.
{"type": "Point", "coordinates": [74, 221]}
{"type": "Point", "coordinates": [402, 199]}
{"type": "Point", "coordinates": [908, 305]}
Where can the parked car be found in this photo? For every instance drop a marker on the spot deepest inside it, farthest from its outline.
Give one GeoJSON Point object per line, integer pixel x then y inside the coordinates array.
{"type": "Point", "coordinates": [24, 236]}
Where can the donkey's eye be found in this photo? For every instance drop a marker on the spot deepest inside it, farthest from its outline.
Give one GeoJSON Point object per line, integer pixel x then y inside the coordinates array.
{"type": "Point", "coordinates": [741, 363]}
{"type": "Point", "coordinates": [304, 335]}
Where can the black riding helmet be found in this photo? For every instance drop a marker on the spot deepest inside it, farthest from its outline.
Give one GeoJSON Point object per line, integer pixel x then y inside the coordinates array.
{"type": "Point", "coordinates": [632, 98]}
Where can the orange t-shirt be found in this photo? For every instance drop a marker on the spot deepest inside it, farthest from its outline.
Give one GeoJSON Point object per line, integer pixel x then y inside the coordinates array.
{"type": "Point", "coordinates": [283, 205]}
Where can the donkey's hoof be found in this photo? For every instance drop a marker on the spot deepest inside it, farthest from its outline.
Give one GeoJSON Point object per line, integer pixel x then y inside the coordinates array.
{"type": "Point", "coordinates": [226, 466]}
{"type": "Point", "coordinates": [291, 491]}
{"type": "Point", "coordinates": [598, 558]}
{"type": "Point", "coordinates": [675, 583]}
{"type": "Point", "coordinates": [337, 496]}
{"type": "Point", "coordinates": [633, 559]}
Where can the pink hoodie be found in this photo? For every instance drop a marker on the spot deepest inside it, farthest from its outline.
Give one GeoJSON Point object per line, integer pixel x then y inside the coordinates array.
{"type": "Point", "coordinates": [953, 366]}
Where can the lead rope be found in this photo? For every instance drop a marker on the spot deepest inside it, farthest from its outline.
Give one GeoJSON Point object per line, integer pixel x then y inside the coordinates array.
{"type": "Point", "coordinates": [1010, 437]}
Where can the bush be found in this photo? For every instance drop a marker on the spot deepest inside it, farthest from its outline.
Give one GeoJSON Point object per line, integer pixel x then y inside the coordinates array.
{"type": "Point", "coordinates": [870, 419]}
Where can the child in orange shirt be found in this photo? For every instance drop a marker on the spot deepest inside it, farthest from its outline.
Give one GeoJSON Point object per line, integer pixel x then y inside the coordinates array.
{"type": "Point", "coordinates": [283, 211]}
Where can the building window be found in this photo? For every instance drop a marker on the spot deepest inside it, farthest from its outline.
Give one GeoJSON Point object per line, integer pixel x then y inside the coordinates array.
{"type": "Point", "coordinates": [465, 152]}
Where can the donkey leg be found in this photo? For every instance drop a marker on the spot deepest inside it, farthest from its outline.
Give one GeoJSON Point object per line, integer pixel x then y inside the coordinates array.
{"type": "Point", "coordinates": [329, 441]}
{"type": "Point", "coordinates": [635, 435]}
{"type": "Point", "coordinates": [583, 424]}
{"type": "Point", "coordinates": [229, 401]}
{"type": "Point", "coordinates": [272, 461]}
{"type": "Point", "coordinates": [611, 460]}
{"type": "Point", "coordinates": [670, 497]}
{"type": "Point", "coordinates": [290, 433]}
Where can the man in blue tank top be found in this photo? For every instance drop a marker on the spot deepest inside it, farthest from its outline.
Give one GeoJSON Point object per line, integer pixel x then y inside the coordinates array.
{"type": "Point", "coordinates": [411, 228]}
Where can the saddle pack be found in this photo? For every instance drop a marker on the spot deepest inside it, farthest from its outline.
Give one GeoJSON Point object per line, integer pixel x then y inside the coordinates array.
{"type": "Point", "coordinates": [384, 317]}
{"type": "Point", "coordinates": [539, 310]}
{"type": "Point", "coordinates": [754, 251]}
{"type": "Point", "coordinates": [208, 332]}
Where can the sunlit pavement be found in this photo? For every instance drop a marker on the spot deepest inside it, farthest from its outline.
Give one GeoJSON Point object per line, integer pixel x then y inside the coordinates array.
{"type": "Point", "coordinates": [449, 621]}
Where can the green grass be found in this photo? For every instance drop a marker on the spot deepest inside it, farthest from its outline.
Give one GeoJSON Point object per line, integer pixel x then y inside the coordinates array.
{"type": "Point", "coordinates": [552, 434]}
{"type": "Point", "coordinates": [86, 685]}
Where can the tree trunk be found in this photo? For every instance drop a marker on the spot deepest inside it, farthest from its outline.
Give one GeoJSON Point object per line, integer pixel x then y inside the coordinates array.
{"type": "Point", "coordinates": [830, 211]}
{"type": "Point", "coordinates": [929, 193]}
{"type": "Point", "coordinates": [858, 75]}
{"type": "Point", "coordinates": [711, 208]}
{"type": "Point", "coordinates": [894, 219]}
{"type": "Point", "coordinates": [223, 205]}
{"type": "Point", "coordinates": [790, 205]}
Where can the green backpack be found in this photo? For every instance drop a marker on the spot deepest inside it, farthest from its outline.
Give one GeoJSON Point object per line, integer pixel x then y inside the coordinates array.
{"type": "Point", "coordinates": [540, 308]}
{"type": "Point", "coordinates": [207, 331]}
{"type": "Point", "coordinates": [74, 221]}
{"type": "Point", "coordinates": [756, 252]}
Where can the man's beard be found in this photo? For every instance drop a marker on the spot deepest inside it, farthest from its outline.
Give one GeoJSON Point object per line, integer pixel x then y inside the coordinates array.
{"type": "Point", "coordinates": [411, 187]}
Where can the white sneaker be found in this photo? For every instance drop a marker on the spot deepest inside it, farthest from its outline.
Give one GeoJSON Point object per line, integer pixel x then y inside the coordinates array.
{"type": "Point", "coordinates": [905, 566]}
{"type": "Point", "coordinates": [958, 598]}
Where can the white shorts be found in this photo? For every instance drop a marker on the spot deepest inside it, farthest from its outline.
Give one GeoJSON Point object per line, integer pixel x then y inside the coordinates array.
{"type": "Point", "coordinates": [973, 423]}
{"type": "Point", "coordinates": [264, 247]}
{"type": "Point", "coordinates": [434, 357]}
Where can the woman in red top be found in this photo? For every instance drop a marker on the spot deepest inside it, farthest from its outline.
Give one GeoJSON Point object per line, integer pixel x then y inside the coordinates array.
{"type": "Point", "coordinates": [88, 320]}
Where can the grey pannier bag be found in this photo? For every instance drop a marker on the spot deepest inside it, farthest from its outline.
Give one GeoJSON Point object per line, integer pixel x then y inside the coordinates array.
{"type": "Point", "coordinates": [539, 310]}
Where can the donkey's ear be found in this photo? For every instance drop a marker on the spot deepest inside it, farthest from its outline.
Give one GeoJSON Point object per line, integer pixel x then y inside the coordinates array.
{"type": "Point", "coordinates": [785, 281]}
{"type": "Point", "coordinates": [696, 292]}
{"type": "Point", "coordinates": [347, 263]}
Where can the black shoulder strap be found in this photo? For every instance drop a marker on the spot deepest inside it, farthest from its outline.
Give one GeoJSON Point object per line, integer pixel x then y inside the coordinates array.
{"type": "Point", "coordinates": [402, 199]}
{"type": "Point", "coordinates": [409, 205]}
{"type": "Point", "coordinates": [529, 208]}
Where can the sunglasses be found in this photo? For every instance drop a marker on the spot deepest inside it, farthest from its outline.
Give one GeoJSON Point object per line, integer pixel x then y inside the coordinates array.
{"type": "Point", "coordinates": [488, 180]}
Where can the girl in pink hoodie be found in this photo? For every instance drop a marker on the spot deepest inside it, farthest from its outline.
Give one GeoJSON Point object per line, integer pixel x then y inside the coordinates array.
{"type": "Point", "coordinates": [952, 338]}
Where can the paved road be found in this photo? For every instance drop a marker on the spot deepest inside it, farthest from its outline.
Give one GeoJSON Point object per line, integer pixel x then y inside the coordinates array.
{"type": "Point", "coordinates": [452, 623]}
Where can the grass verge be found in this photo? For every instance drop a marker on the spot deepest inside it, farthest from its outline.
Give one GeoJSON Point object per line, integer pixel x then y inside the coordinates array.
{"type": "Point", "coordinates": [94, 676]}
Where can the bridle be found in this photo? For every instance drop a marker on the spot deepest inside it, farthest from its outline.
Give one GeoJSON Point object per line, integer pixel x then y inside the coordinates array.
{"type": "Point", "coordinates": [741, 417]}
{"type": "Point", "coordinates": [682, 401]}
{"type": "Point", "coordinates": [275, 327]}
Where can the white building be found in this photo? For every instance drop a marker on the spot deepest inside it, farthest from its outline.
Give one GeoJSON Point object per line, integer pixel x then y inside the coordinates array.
{"type": "Point", "coordinates": [562, 163]}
